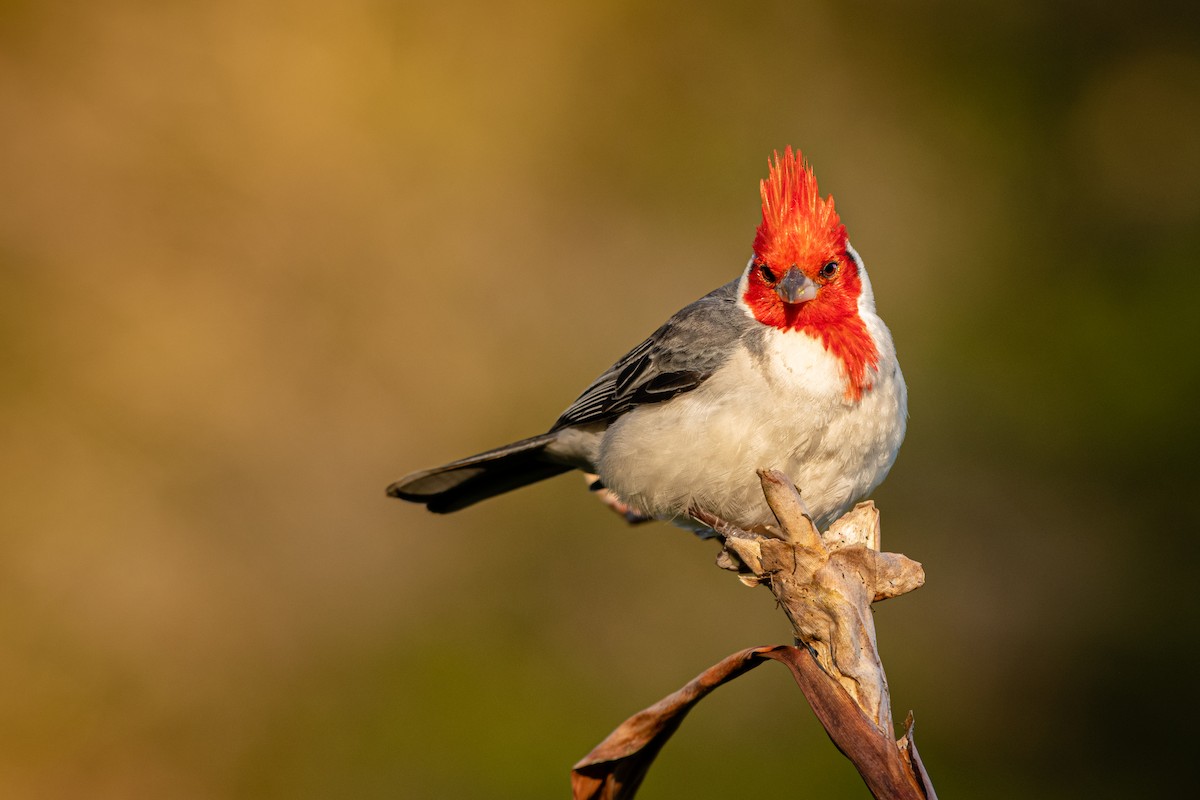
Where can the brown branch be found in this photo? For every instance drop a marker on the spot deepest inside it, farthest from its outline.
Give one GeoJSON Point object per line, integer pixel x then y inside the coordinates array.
{"type": "Point", "coordinates": [825, 583]}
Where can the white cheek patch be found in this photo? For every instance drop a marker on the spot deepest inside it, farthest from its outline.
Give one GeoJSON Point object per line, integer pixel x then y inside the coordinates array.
{"type": "Point", "coordinates": [743, 285]}
{"type": "Point", "coordinates": [866, 298]}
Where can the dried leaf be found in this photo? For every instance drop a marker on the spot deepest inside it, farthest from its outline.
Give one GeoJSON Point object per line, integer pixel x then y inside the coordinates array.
{"type": "Point", "coordinates": [873, 752]}
{"type": "Point", "coordinates": [910, 748]}
{"type": "Point", "coordinates": [825, 584]}
{"type": "Point", "coordinates": [794, 520]}
{"type": "Point", "coordinates": [616, 767]}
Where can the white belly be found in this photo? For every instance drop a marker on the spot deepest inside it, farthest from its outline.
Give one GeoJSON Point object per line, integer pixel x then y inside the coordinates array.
{"type": "Point", "coordinates": [785, 409]}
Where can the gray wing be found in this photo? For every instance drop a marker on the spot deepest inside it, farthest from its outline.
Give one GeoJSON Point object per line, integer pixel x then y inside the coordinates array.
{"type": "Point", "coordinates": [676, 358]}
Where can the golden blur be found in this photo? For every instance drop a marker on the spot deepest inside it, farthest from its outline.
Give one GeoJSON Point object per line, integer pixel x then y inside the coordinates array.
{"type": "Point", "coordinates": [259, 260]}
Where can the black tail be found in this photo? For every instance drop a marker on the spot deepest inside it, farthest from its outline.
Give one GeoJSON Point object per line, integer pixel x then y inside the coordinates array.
{"type": "Point", "coordinates": [467, 481]}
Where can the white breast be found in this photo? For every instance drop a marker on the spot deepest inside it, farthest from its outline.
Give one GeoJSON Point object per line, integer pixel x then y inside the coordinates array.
{"type": "Point", "coordinates": [783, 408]}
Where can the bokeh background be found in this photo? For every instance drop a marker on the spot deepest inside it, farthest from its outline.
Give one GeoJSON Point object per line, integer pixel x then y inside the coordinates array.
{"type": "Point", "coordinates": [259, 260]}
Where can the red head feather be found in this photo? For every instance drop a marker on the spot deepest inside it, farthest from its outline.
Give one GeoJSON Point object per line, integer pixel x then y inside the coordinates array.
{"type": "Point", "coordinates": [798, 227]}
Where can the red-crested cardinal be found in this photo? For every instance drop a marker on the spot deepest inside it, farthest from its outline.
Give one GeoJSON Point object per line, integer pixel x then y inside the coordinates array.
{"type": "Point", "coordinates": [786, 367]}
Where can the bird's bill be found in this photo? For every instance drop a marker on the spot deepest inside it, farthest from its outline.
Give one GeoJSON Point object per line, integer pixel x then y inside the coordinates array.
{"type": "Point", "coordinates": [796, 287]}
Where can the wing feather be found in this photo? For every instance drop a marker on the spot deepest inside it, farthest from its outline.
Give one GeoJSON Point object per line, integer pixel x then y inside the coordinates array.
{"type": "Point", "coordinates": [675, 359]}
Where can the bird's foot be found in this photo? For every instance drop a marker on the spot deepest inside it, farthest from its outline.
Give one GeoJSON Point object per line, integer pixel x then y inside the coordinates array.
{"type": "Point", "coordinates": [721, 528]}
{"type": "Point", "coordinates": [724, 530]}
{"type": "Point", "coordinates": [610, 499]}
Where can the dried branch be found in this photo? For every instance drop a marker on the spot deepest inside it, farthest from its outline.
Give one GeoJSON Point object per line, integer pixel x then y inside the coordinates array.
{"type": "Point", "coordinates": [825, 583]}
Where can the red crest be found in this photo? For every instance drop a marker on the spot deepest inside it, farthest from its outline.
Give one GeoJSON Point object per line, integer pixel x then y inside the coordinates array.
{"type": "Point", "coordinates": [798, 226]}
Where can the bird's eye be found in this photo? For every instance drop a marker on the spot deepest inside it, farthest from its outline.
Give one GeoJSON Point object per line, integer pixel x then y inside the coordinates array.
{"type": "Point", "coordinates": [766, 272]}
{"type": "Point", "coordinates": [829, 270]}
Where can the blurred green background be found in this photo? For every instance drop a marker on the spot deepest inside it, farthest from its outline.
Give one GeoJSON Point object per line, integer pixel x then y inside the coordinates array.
{"type": "Point", "coordinates": [259, 260]}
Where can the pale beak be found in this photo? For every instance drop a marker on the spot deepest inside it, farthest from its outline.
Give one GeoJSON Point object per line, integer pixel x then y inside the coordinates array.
{"type": "Point", "coordinates": [795, 287]}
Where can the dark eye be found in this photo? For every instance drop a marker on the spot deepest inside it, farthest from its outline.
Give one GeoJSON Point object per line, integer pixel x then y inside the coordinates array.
{"type": "Point", "coordinates": [765, 271]}
{"type": "Point", "coordinates": [829, 270]}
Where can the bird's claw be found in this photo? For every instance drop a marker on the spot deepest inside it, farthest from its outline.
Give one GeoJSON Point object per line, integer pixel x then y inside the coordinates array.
{"type": "Point", "coordinates": [610, 499]}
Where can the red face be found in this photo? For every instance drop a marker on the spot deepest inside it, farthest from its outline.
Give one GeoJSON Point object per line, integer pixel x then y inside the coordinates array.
{"type": "Point", "coordinates": [833, 296]}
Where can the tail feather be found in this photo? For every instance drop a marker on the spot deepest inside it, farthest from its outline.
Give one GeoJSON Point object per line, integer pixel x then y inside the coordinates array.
{"type": "Point", "coordinates": [465, 482]}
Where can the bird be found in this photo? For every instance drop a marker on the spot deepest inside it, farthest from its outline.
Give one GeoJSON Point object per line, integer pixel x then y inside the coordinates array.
{"type": "Point", "coordinates": [788, 366]}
